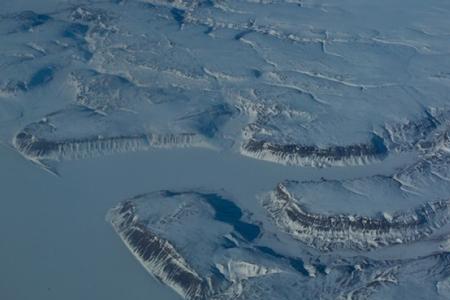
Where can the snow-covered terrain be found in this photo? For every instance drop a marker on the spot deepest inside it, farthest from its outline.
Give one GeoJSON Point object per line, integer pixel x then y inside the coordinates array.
{"type": "Point", "coordinates": [373, 211]}
{"type": "Point", "coordinates": [338, 112]}
{"type": "Point", "coordinates": [302, 85]}
{"type": "Point", "coordinates": [203, 246]}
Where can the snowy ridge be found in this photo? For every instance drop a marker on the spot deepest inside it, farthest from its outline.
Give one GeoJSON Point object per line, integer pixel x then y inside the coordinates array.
{"type": "Point", "coordinates": [150, 227]}
{"type": "Point", "coordinates": [208, 261]}
{"type": "Point", "coordinates": [39, 149]}
{"type": "Point", "coordinates": [411, 135]}
{"type": "Point", "coordinates": [157, 255]}
{"type": "Point", "coordinates": [351, 155]}
{"type": "Point", "coordinates": [327, 232]}
{"type": "Point", "coordinates": [375, 211]}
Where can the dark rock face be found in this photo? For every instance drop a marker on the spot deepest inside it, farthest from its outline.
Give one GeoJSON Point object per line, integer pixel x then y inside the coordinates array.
{"type": "Point", "coordinates": [158, 255]}
{"type": "Point", "coordinates": [423, 182]}
{"type": "Point", "coordinates": [405, 136]}
{"type": "Point", "coordinates": [42, 148]}
{"type": "Point", "coordinates": [328, 232]}
{"type": "Point", "coordinates": [153, 226]}
{"type": "Point", "coordinates": [38, 148]}
{"type": "Point", "coordinates": [375, 149]}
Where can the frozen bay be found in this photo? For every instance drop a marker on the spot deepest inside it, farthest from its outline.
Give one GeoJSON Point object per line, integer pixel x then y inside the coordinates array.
{"type": "Point", "coordinates": [55, 240]}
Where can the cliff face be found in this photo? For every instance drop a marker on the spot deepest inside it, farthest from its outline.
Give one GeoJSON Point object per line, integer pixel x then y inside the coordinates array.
{"type": "Point", "coordinates": [198, 261]}
{"type": "Point", "coordinates": [79, 132]}
{"type": "Point", "coordinates": [327, 232]}
{"type": "Point", "coordinates": [371, 212]}
{"type": "Point", "coordinates": [156, 254]}
{"type": "Point", "coordinates": [389, 138]}
{"type": "Point", "coordinates": [41, 148]}
{"type": "Point", "coordinates": [297, 154]}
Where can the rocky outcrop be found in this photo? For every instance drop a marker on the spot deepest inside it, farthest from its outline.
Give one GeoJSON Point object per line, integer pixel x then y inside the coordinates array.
{"type": "Point", "coordinates": [41, 148]}
{"type": "Point", "coordinates": [153, 228]}
{"type": "Point", "coordinates": [327, 232]}
{"type": "Point", "coordinates": [197, 264]}
{"type": "Point", "coordinates": [296, 154]}
{"type": "Point", "coordinates": [157, 255]}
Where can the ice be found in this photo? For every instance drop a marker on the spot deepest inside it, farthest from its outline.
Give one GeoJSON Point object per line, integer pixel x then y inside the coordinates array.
{"type": "Point", "coordinates": [335, 115]}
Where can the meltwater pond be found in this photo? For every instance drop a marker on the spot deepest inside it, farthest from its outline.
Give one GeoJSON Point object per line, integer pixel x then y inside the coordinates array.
{"type": "Point", "coordinates": [56, 243]}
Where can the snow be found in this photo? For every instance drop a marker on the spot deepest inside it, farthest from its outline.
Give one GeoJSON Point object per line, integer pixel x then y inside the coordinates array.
{"type": "Point", "coordinates": [342, 106]}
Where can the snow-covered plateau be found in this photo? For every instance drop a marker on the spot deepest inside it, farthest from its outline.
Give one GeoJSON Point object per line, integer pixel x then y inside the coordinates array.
{"type": "Point", "coordinates": [315, 136]}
